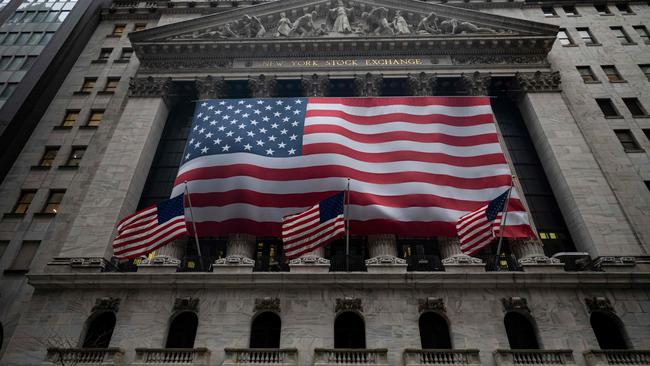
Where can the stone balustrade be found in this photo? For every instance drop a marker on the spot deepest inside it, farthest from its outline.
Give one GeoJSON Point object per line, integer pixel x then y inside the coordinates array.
{"type": "Point", "coordinates": [261, 356]}
{"type": "Point", "coordinates": [350, 357]}
{"type": "Point", "coordinates": [171, 356]}
{"type": "Point", "coordinates": [418, 357]}
{"type": "Point", "coordinates": [617, 357]}
{"type": "Point", "coordinates": [85, 356]}
{"type": "Point", "coordinates": [533, 357]}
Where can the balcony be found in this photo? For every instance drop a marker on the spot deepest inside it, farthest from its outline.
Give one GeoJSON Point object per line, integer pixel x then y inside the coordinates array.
{"type": "Point", "coordinates": [617, 357]}
{"type": "Point", "coordinates": [85, 356]}
{"type": "Point", "coordinates": [420, 357]}
{"type": "Point", "coordinates": [533, 357]}
{"type": "Point", "coordinates": [171, 356]}
{"type": "Point", "coordinates": [424, 263]}
{"type": "Point", "coordinates": [260, 356]}
{"type": "Point", "coordinates": [350, 357]}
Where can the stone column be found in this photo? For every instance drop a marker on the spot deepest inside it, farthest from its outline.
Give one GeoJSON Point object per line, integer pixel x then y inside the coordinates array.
{"type": "Point", "coordinates": [315, 85]}
{"type": "Point", "coordinates": [210, 87]}
{"type": "Point", "coordinates": [167, 258]}
{"type": "Point", "coordinates": [476, 84]}
{"type": "Point", "coordinates": [453, 258]}
{"type": "Point", "coordinates": [262, 86]}
{"type": "Point", "coordinates": [240, 250]}
{"type": "Point", "coordinates": [121, 175]}
{"type": "Point", "coordinates": [368, 85]}
{"type": "Point", "coordinates": [530, 254]}
{"type": "Point", "coordinates": [422, 84]}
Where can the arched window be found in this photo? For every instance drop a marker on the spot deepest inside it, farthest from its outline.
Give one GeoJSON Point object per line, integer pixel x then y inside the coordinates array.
{"type": "Point", "coordinates": [608, 330]}
{"type": "Point", "coordinates": [99, 330]}
{"type": "Point", "coordinates": [434, 331]}
{"type": "Point", "coordinates": [521, 332]}
{"type": "Point", "coordinates": [182, 330]}
{"type": "Point", "coordinates": [349, 331]}
{"type": "Point", "coordinates": [265, 331]}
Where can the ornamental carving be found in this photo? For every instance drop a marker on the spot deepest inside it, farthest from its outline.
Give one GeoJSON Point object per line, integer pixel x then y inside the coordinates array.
{"type": "Point", "coordinates": [162, 65]}
{"type": "Point", "coordinates": [262, 86]}
{"type": "Point", "coordinates": [234, 260]}
{"type": "Point", "coordinates": [106, 304]}
{"type": "Point", "coordinates": [210, 87]}
{"type": "Point", "coordinates": [150, 87]}
{"type": "Point", "coordinates": [531, 82]}
{"type": "Point", "coordinates": [348, 304]}
{"type": "Point", "coordinates": [310, 260]}
{"type": "Point", "coordinates": [385, 260]}
{"type": "Point", "coordinates": [267, 304]}
{"type": "Point", "coordinates": [315, 86]}
{"type": "Point", "coordinates": [599, 304]}
{"type": "Point", "coordinates": [422, 84]}
{"type": "Point", "coordinates": [498, 59]}
{"type": "Point", "coordinates": [476, 83]}
{"type": "Point", "coordinates": [186, 304]}
{"type": "Point", "coordinates": [515, 304]}
{"type": "Point", "coordinates": [368, 85]}
{"type": "Point", "coordinates": [431, 304]}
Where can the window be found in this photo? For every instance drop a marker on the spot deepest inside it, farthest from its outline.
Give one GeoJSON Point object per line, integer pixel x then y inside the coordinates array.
{"type": "Point", "coordinates": [25, 199]}
{"type": "Point", "coordinates": [35, 38]}
{"type": "Point", "coordinates": [570, 10]}
{"type": "Point", "coordinates": [95, 118]}
{"type": "Point", "coordinates": [621, 35]}
{"type": "Point", "coordinates": [586, 36]}
{"type": "Point", "coordinates": [646, 132]}
{"type": "Point", "coordinates": [62, 15]}
{"type": "Point", "coordinates": [645, 69]}
{"type": "Point", "coordinates": [22, 39]}
{"type": "Point", "coordinates": [10, 38]}
{"type": "Point", "coordinates": [88, 85]}
{"type": "Point", "coordinates": [3, 247]}
{"type": "Point", "coordinates": [8, 90]}
{"type": "Point", "coordinates": [99, 330]}
{"type": "Point", "coordinates": [521, 332]}
{"type": "Point", "coordinates": [647, 184]}
{"type": "Point", "coordinates": [53, 202]}
{"type": "Point", "coordinates": [76, 155]}
{"type": "Point", "coordinates": [265, 331]}
{"type": "Point", "coordinates": [70, 118]}
{"type": "Point", "coordinates": [608, 330]}
{"type": "Point", "coordinates": [612, 73]}
{"type": "Point", "coordinates": [602, 9]}
{"type": "Point", "coordinates": [643, 33]}
{"type": "Point", "coordinates": [46, 38]}
{"type": "Point", "coordinates": [4, 62]}
{"type": "Point", "coordinates": [104, 54]}
{"type": "Point", "coordinates": [25, 256]}
{"type": "Point", "coordinates": [434, 331]}
{"type": "Point", "coordinates": [29, 16]}
{"type": "Point", "coordinates": [16, 63]}
{"type": "Point", "coordinates": [182, 330]}
{"type": "Point", "coordinates": [29, 62]}
{"type": "Point", "coordinates": [564, 38]}
{"type": "Point", "coordinates": [624, 9]}
{"type": "Point", "coordinates": [126, 54]}
{"type": "Point", "coordinates": [118, 30]}
{"type": "Point", "coordinates": [349, 331]}
{"type": "Point", "coordinates": [139, 27]}
{"type": "Point", "coordinates": [111, 85]}
{"type": "Point", "coordinates": [635, 107]}
{"type": "Point", "coordinates": [627, 140]}
{"type": "Point", "coordinates": [52, 17]}
{"type": "Point", "coordinates": [48, 156]}
{"type": "Point", "coordinates": [608, 108]}
{"type": "Point", "coordinates": [40, 16]}
{"type": "Point", "coordinates": [549, 11]}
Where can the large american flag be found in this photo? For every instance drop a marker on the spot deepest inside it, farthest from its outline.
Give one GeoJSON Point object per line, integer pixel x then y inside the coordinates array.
{"type": "Point", "coordinates": [416, 164]}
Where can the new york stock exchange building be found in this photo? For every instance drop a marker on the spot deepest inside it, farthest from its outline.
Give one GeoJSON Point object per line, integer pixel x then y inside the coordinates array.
{"type": "Point", "coordinates": [568, 84]}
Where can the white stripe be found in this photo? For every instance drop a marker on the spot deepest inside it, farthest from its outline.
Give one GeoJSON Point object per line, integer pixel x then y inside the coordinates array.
{"type": "Point", "coordinates": [288, 230]}
{"type": "Point", "coordinates": [401, 108]}
{"type": "Point", "coordinates": [125, 232]}
{"type": "Point", "coordinates": [153, 227]}
{"type": "Point", "coordinates": [295, 224]}
{"type": "Point", "coordinates": [152, 234]}
{"type": "Point", "coordinates": [148, 248]}
{"type": "Point", "coordinates": [482, 226]}
{"type": "Point", "coordinates": [287, 238]}
{"type": "Point", "coordinates": [160, 236]}
{"type": "Point", "coordinates": [423, 128]}
{"type": "Point", "coordinates": [137, 216]}
{"type": "Point", "coordinates": [476, 240]}
{"type": "Point", "coordinates": [339, 228]}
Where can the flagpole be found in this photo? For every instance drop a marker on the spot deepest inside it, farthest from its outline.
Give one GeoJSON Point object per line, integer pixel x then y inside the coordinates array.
{"type": "Point", "coordinates": [347, 228]}
{"type": "Point", "coordinates": [196, 235]}
{"type": "Point", "coordinates": [503, 222]}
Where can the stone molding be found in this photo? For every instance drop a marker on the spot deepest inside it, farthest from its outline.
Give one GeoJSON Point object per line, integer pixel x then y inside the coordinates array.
{"type": "Point", "coordinates": [611, 260]}
{"type": "Point", "coordinates": [422, 84]}
{"type": "Point", "coordinates": [599, 304]}
{"type": "Point", "coordinates": [310, 259]}
{"type": "Point", "coordinates": [315, 85]}
{"type": "Point", "coordinates": [87, 262]}
{"type": "Point", "coordinates": [461, 259]}
{"type": "Point", "coordinates": [262, 86]}
{"type": "Point", "coordinates": [210, 87]}
{"type": "Point", "coordinates": [515, 304]}
{"type": "Point", "coordinates": [106, 304]}
{"type": "Point", "coordinates": [431, 304]}
{"type": "Point", "coordinates": [267, 304]}
{"type": "Point", "coordinates": [499, 59]}
{"type": "Point", "coordinates": [234, 260]}
{"type": "Point", "coordinates": [385, 259]}
{"type": "Point", "coordinates": [539, 82]}
{"type": "Point", "coordinates": [368, 85]}
{"type": "Point", "coordinates": [186, 304]}
{"type": "Point", "coordinates": [150, 87]}
{"type": "Point", "coordinates": [348, 304]}
{"type": "Point", "coordinates": [476, 83]}
{"type": "Point", "coordinates": [161, 260]}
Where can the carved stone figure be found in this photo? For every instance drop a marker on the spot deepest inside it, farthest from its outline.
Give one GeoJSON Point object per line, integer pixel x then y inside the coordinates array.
{"type": "Point", "coordinates": [227, 31]}
{"type": "Point", "coordinates": [341, 16]}
{"type": "Point", "coordinates": [400, 24]}
{"type": "Point", "coordinates": [284, 26]}
{"type": "Point", "coordinates": [455, 26]}
{"type": "Point", "coordinates": [252, 27]}
{"type": "Point", "coordinates": [428, 25]}
{"type": "Point", "coordinates": [377, 22]}
{"type": "Point", "coordinates": [304, 26]}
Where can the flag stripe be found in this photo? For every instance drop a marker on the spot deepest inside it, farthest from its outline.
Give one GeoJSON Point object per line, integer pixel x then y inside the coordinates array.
{"type": "Point", "coordinates": [430, 121]}
{"type": "Point", "coordinates": [405, 101]}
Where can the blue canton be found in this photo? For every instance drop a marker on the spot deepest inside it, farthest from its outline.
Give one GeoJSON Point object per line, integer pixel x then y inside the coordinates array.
{"type": "Point", "coordinates": [496, 206]}
{"type": "Point", "coordinates": [171, 208]}
{"type": "Point", "coordinates": [331, 207]}
{"type": "Point", "coordinates": [270, 127]}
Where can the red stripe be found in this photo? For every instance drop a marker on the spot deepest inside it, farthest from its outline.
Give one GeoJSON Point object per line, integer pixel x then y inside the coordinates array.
{"type": "Point", "coordinates": [315, 236]}
{"type": "Point", "coordinates": [290, 219]}
{"type": "Point", "coordinates": [332, 171]}
{"type": "Point", "coordinates": [479, 119]}
{"type": "Point", "coordinates": [149, 237]}
{"type": "Point", "coordinates": [322, 244]}
{"type": "Point", "coordinates": [413, 101]}
{"type": "Point", "coordinates": [404, 136]}
{"type": "Point", "coordinates": [393, 156]}
{"type": "Point", "coordinates": [146, 244]}
{"type": "Point", "coordinates": [135, 214]}
{"type": "Point", "coordinates": [304, 233]}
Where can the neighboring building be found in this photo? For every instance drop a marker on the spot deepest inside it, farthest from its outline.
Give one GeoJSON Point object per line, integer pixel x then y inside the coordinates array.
{"type": "Point", "coordinates": [570, 84]}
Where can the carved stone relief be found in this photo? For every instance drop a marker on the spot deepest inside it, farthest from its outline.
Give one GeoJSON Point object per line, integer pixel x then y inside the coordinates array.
{"type": "Point", "coordinates": [262, 86]}
{"type": "Point", "coordinates": [422, 84]}
{"type": "Point", "coordinates": [599, 304]}
{"type": "Point", "coordinates": [315, 86]}
{"type": "Point", "coordinates": [368, 85]}
{"type": "Point", "coordinates": [431, 304]}
{"type": "Point", "coordinates": [348, 304]}
{"type": "Point", "coordinates": [210, 88]}
{"type": "Point", "coordinates": [106, 304]}
{"type": "Point", "coordinates": [267, 304]}
{"type": "Point", "coordinates": [515, 304]}
{"type": "Point", "coordinates": [476, 83]}
{"type": "Point", "coordinates": [186, 304]}
{"type": "Point", "coordinates": [150, 87]}
{"type": "Point", "coordinates": [531, 82]}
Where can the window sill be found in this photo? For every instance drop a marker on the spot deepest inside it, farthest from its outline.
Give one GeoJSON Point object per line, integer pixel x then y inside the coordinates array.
{"type": "Point", "coordinates": [624, 14]}
{"type": "Point", "coordinates": [44, 214]}
{"type": "Point", "coordinates": [618, 81]}
{"type": "Point", "coordinates": [104, 92]}
{"type": "Point", "coordinates": [593, 82]}
{"type": "Point", "coordinates": [62, 128]}
{"type": "Point", "coordinates": [551, 16]}
{"type": "Point", "coordinates": [641, 116]}
{"type": "Point", "coordinates": [606, 15]}
{"type": "Point", "coordinates": [68, 167]}
{"type": "Point", "coordinates": [613, 117]}
{"type": "Point", "coordinates": [122, 61]}
{"type": "Point", "coordinates": [629, 44]}
{"type": "Point", "coordinates": [11, 215]}
{"type": "Point", "coordinates": [573, 15]}
{"type": "Point", "coordinates": [39, 167]}
{"type": "Point", "coordinates": [570, 45]}
{"type": "Point", "coordinates": [16, 271]}
{"type": "Point", "coordinates": [113, 36]}
{"type": "Point", "coordinates": [81, 93]}
{"type": "Point", "coordinates": [86, 127]}
{"type": "Point", "coordinates": [594, 44]}
{"type": "Point", "coordinates": [98, 61]}
{"type": "Point", "coordinates": [635, 151]}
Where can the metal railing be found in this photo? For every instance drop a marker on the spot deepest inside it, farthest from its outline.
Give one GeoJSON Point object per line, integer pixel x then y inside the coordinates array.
{"type": "Point", "coordinates": [533, 357]}
{"type": "Point", "coordinates": [78, 356]}
{"type": "Point", "coordinates": [417, 357]}
{"type": "Point", "coordinates": [617, 357]}
{"type": "Point", "coordinates": [259, 356]}
{"type": "Point", "coordinates": [323, 356]}
{"type": "Point", "coordinates": [425, 263]}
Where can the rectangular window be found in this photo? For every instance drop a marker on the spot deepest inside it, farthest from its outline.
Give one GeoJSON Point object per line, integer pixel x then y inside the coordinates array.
{"type": "Point", "coordinates": [70, 118]}
{"type": "Point", "coordinates": [48, 156]}
{"type": "Point", "coordinates": [645, 69]}
{"type": "Point", "coordinates": [8, 90]}
{"type": "Point", "coordinates": [570, 10]}
{"type": "Point", "coordinates": [608, 108]}
{"type": "Point", "coordinates": [16, 17]}
{"type": "Point", "coordinates": [118, 30]}
{"type": "Point", "coordinates": [126, 54]}
{"type": "Point", "coordinates": [111, 85]}
{"type": "Point", "coordinates": [647, 184]}
{"type": "Point", "coordinates": [642, 31]}
{"type": "Point", "coordinates": [29, 62]}
{"type": "Point", "coordinates": [627, 140]}
{"type": "Point", "coordinates": [10, 38]}
{"type": "Point", "coordinates": [602, 9]}
{"type": "Point", "coordinates": [35, 38]}
{"type": "Point", "coordinates": [612, 73]}
{"type": "Point", "coordinates": [549, 11]}
{"type": "Point", "coordinates": [88, 85]}
{"type": "Point", "coordinates": [104, 54]}
{"type": "Point", "coordinates": [139, 27]}
{"type": "Point", "coordinates": [52, 17]}
{"type": "Point", "coordinates": [47, 36]}
{"type": "Point", "coordinates": [53, 201]}
{"type": "Point", "coordinates": [25, 256]}
{"type": "Point", "coordinates": [621, 35]}
{"type": "Point", "coordinates": [22, 39]}
{"type": "Point", "coordinates": [563, 36]}
{"type": "Point", "coordinates": [624, 9]}
{"type": "Point", "coordinates": [586, 36]}
{"type": "Point", "coordinates": [24, 200]}
{"type": "Point", "coordinates": [635, 107]}
{"type": "Point", "coordinates": [62, 15]}
{"type": "Point", "coordinates": [95, 118]}
{"type": "Point", "coordinates": [587, 74]}
{"type": "Point", "coordinates": [16, 63]}
{"type": "Point", "coordinates": [76, 155]}
{"type": "Point", "coordinates": [40, 16]}
{"type": "Point", "coordinates": [3, 247]}
{"type": "Point", "coordinates": [29, 16]}
{"type": "Point", "coordinates": [4, 62]}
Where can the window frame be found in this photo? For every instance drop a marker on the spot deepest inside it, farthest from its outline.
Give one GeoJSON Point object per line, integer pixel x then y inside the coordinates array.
{"type": "Point", "coordinates": [630, 140]}
{"type": "Point", "coordinates": [21, 201]}
{"type": "Point", "coordinates": [627, 10]}
{"type": "Point", "coordinates": [636, 103]}
{"type": "Point", "coordinates": [612, 77]}
{"type": "Point", "coordinates": [73, 162]}
{"type": "Point", "coordinates": [91, 122]}
{"type": "Point", "coordinates": [605, 12]}
{"type": "Point", "coordinates": [592, 40]}
{"type": "Point", "coordinates": [610, 103]}
{"type": "Point", "coordinates": [88, 85]}
{"type": "Point", "coordinates": [104, 55]}
{"type": "Point", "coordinates": [108, 87]}
{"type": "Point", "coordinates": [64, 122]}
{"type": "Point", "coordinates": [642, 31]}
{"type": "Point", "coordinates": [573, 11]}
{"type": "Point", "coordinates": [51, 206]}
{"type": "Point", "coordinates": [568, 38]}
{"type": "Point", "coordinates": [622, 35]}
{"type": "Point", "coordinates": [590, 73]}
{"type": "Point", "coordinates": [118, 31]}
{"type": "Point", "coordinates": [549, 11]}
{"type": "Point", "coordinates": [43, 161]}
{"type": "Point", "coordinates": [645, 69]}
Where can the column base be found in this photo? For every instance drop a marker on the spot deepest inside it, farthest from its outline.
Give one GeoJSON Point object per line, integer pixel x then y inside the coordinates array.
{"type": "Point", "coordinates": [76, 265]}
{"type": "Point", "coordinates": [233, 264]}
{"type": "Point", "coordinates": [616, 264]}
{"type": "Point", "coordinates": [386, 264]}
{"type": "Point", "coordinates": [462, 263]}
{"type": "Point", "coordinates": [160, 264]}
{"type": "Point", "coordinates": [309, 264]}
{"type": "Point", "coordinates": [541, 263]}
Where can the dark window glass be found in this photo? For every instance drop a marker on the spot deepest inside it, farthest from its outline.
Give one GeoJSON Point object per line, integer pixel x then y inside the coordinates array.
{"type": "Point", "coordinates": [104, 54]}
{"type": "Point", "coordinates": [139, 27]}
{"type": "Point", "coordinates": [646, 132]}
{"type": "Point", "coordinates": [624, 9]}
{"type": "Point", "coordinates": [53, 201]}
{"type": "Point", "coordinates": [608, 331]}
{"type": "Point", "coordinates": [434, 331]}
{"type": "Point", "coordinates": [520, 331]}
{"type": "Point", "coordinates": [24, 201]}
{"type": "Point", "coordinates": [111, 85]}
{"type": "Point", "coordinates": [16, 63]}
{"type": "Point", "coordinates": [118, 30]}
{"type": "Point", "coordinates": [621, 35]}
{"type": "Point", "coordinates": [586, 73]}
{"type": "Point", "coordinates": [10, 38]}
{"type": "Point", "coordinates": [642, 31]}
{"type": "Point", "coordinates": [29, 16]}
{"type": "Point", "coordinates": [586, 36]}
{"type": "Point", "coordinates": [25, 256]}
{"type": "Point", "coordinates": [635, 107]}
{"type": "Point", "coordinates": [4, 62]}
{"type": "Point", "coordinates": [48, 156]}
{"type": "Point", "coordinates": [549, 11]}
{"type": "Point", "coordinates": [182, 330]}
{"type": "Point", "coordinates": [8, 90]}
{"type": "Point", "coordinates": [602, 9]}
{"type": "Point", "coordinates": [52, 17]}
{"type": "Point", "coordinates": [40, 16]}
{"type": "Point", "coordinates": [22, 39]}
{"type": "Point", "coordinates": [349, 331]}
{"type": "Point", "coordinates": [3, 247]}
{"type": "Point", "coordinates": [126, 54]}
{"type": "Point", "coordinates": [76, 155]}
{"type": "Point", "coordinates": [647, 182]}
{"type": "Point", "coordinates": [88, 85]}
{"type": "Point", "coordinates": [627, 140]}
{"type": "Point", "coordinates": [265, 331]}
{"type": "Point", "coordinates": [645, 69]}
{"type": "Point", "coordinates": [99, 331]}
{"type": "Point", "coordinates": [35, 38]}
{"type": "Point", "coordinates": [612, 73]}
{"type": "Point", "coordinates": [570, 10]}
{"type": "Point", "coordinates": [29, 62]}
{"type": "Point", "coordinates": [46, 38]}
{"type": "Point", "coordinates": [608, 108]}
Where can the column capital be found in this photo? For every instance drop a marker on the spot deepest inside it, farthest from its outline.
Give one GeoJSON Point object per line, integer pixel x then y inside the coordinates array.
{"type": "Point", "coordinates": [315, 85]}
{"type": "Point", "coordinates": [150, 87]}
{"type": "Point", "coordinates": [452, 255]}
{"type": "Point", "coordinates": [422, 84]}
{"type": "Point", "coordinates": [476, 83]}
{"type": "Point", "coordinates": [537, 82]}
{"type": "Point", "coordinates": [262, 86]}
{"type": "Point", "coordinates": [210, 87]}
{"type": "Point", "coordinates": [368, 85]}
{"type": "Point", "coordinates": [530, 251]}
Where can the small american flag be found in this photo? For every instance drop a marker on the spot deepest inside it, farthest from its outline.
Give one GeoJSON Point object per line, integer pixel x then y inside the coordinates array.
{"type": "Point", "coordinates": [320, 224]}
{"type": "Point", "coordinates": [478, 228]}
{"type": "Point", "coordinates": [149, 229]}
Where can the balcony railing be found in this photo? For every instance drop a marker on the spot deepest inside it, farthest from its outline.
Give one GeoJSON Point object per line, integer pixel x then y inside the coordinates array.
{"type": "Point", "coordinates": [85, 356]}
{"type": "Point", "coordinates": [419, 357]}
{"type": "Point", "coordinates": [425, 263]}
{"type": "Point", "coordinates": [171, 356]}
{"type": "Point", "coordinates": [533, 357]}
{"type": "Point", "coordinates": [345, 357]}
{"type": "Point", "coordinates": [338, 263]}
{"type": "Point", "coordinates": [260, 356]}
{"type": "Point", "coordinates": [617, 357]}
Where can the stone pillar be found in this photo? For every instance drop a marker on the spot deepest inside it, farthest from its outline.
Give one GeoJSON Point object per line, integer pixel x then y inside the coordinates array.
{"type": "Point", "coordinates": [121, 175]}
{"type": "Point", "coordinates": [453, 258]}
{"type": "Point", "coordinates": [315, 86]}
{"type": "Point", "coordinates": [382, 249]}
{"type": "Point", "coordinates": [368, 85]}
{"type": "Point", "coordinates": [530, 255]}
{"type": "Point", "coordinates": [422, 84]}
{"type": "Point", "coordinates": [210, 87]}
{"type": "Point", "coordinates": [477, 83]}
{"type": "Point", "coordinates": [240, 250]}
{"type": "Point", "coordinates": [167, 258]}
{"type": "Point", "coordinates": [262, 86]}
